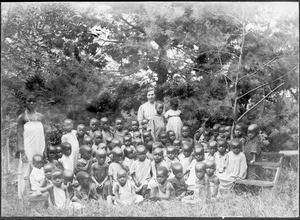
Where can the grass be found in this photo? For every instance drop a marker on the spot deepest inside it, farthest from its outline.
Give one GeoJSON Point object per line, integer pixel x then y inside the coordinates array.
{"type": "Point", "coordinates": [241, 204]}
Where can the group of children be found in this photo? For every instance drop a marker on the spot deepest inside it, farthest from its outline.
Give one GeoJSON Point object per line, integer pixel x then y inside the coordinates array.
{"type": "Point", "coordinates": [128, 165]}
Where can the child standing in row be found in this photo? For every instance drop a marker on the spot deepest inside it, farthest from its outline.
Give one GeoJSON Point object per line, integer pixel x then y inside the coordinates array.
{"type": "Point", "coordinates": [157, 122]}
{"type": "Point", "coordinates": [173, 118]}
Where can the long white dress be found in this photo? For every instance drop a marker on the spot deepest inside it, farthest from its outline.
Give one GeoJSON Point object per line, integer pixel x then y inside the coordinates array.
{"type": "Point", "coordinates": [34, 143]}
{"type": "Point", "coordinates": [174, 122]}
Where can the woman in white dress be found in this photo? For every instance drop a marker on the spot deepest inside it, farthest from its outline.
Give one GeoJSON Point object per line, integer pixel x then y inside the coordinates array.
{"type": "Point", "coordinates": [147, 110]}
{"type": "Point", "coordinates": [31, 141]}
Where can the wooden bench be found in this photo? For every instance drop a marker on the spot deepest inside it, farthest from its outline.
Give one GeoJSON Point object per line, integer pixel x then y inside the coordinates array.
{"type": "Point", "coordinates": [265, 163]}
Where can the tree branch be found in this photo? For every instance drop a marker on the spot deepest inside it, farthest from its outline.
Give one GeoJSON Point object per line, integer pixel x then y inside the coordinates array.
{"type": "Point", "coordinates": [131, 25]}
{"type": "Point", "coordinates": [250, 109]}
{"type": "Point", "coordinates": [261, 86]}
{"type": "Point", "coordinates": [259, 68]}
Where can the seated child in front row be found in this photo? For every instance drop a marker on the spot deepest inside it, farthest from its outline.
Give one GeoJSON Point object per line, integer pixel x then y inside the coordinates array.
{"type": "Point", "coordinates": [236, 168]}
{"type": "Point", "coordinates": [70, 182]}
{"type": "Point", "coordinates": [212, 181]}
{"type": "Point", "coordinates": [37, 175]}
{"type": "Point", "coordinates": [124, 190]}
{"type": "Point", "coordinates": [199, 189]}
{"type": "Point", "coordinates": [86, 160]}
{"type": "Point", "coordinates": [164, 190]}
{"type": "Point", "coordinates": [221, 156]}
{"type": "Point", "coordinates": [87, 189]}
{"type": "Point", "coordinates": [99, 174]}
{"type": "Point", "coordinates": [177, 181]}
{"type": "Point", "coordinates": [140, 170]}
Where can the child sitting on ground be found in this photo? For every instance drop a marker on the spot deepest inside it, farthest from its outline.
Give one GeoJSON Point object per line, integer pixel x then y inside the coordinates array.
{"type": "Point", "coordinates": [134, 127]}
{"type": "Point", "coordinates": [85, 162]}
{"type": "Point", "coordinates": [236, 168]}
{"type": "Point", "coordinates": [171, 137]}
{"type": "Point", "coordinates": [185, 132]}
{"type": "Point", "coordinates": [87, 189]}
{"type": "Point", "coordinates": [80, 132]}
{"type": "Point", "coordinates": [70, 137]}
{"type": "Point", "coordinates": [94, 124]}
{"type": "Point", "coordinates": [157, 122]}
{"type": "Point", "coordinates": [252, 151]}
{"type": "Point", "coordinates": [119, 132]}
{"type": "Point", "coordinates": [199, 188]}
{"type": "Point", "coordinates": [221, 156]}
{"type": "Point", "coordinates": [164, 190]}
{"type": "Point", "coordinates": [177, 181]}
{"type": "Point", "coordinates": [124, 190]}
{"type": "Point", "coordinates": [212, 149]}
{"type": "Point", "coordinates": [67, 161]}
{"type": "Point", "coordinates": [212, 181]}
{"type": "Point", "coordinates": [129, 157]}
{"type": "Point", "coordinates": [185, 158]}
{"type": "Point", "coordinates": [99, 174]}
{"type": "Point", "coordinates": [173, 118]}
{"type": "Point", "coordinates": [106, 133]}
{"type": "Point", "coordinates": [37, 175]}
{"type": "Point", "coordinates": [140, 170]}
{"type": "Point", "coordinates": [69, 182]}
{"type": "Point", "coordinates": [190, 171]}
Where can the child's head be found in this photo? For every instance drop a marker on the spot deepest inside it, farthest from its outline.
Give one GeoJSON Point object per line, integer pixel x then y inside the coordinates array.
{"type": "Point", "coordinates": [119, 124]}
{"type": "Point", "coordinates": [185, 131]}
{"type": "Point", "coordinates": [157, 144]}
{"type": "Point", "coordinates": [147, 136]}
{"type": "Point", "coordinates": [215, 130]}
{"type": "Point", "coordinates": [38, 161]}
{"type": "Point", "coordinates": [227, 132]}
{"type": "Point", "coordinates": [128, 152]}
{"type": "Point", "coordinates": [239, 131]}
{"type": "Point", "coordinates": [222, 146]}
{"type": "Point", "coordinates": [163, 137]}
{"type": "Point", "coordinates": [149, 146]}
{"type": "Point", "coordinates": [51, 153]}
{"type": "Point", "coordinates": [101, 156]}
{"type": "Point", "coordinates": [83, 179]}
{"type": "Point", "coordinates": [88, 140]}
{"type": "Point", "coordinates": [171, 136]}
{"type": "Point", "coordinates": [97, 137]}
{"type": "Point", "coordinates": [94, 123]}
{"type": "Point", "coordinates": [159, 106]}
{"type": "Point", "coordinates": [127, 140]}
{"type": "Point", "coordinates": [57, 177]}
{"type": "Point", "coordinates": [200, 169]}
{"type": "Point", "coordinates": [137, 134]}
{"type": "Point", "coordinates": [199, 154]}
{"type": "Point", "coordinates": [158, 155]}
{"type": "Point", "coordinates": [68, 125]}
{"type": "Point", "coordinates": [235, 145]}
{"type": "Point", "coordinates": [58, 152]}
{"type": "Point", "coordinates": [85, 152]}
{"type": "Point", "coordinates": [221, 131]}
{"type": "Point", "coordinates": [144, 124]}
{"type": "Point", "coordinates": [122, 177]}
{"type": "Point", "coordinates": [117, 154]}
{"type": "Point", "coordinates": [212, 147]}
{"type": "Point", "coordinates": [206, 134]}
{"type": "Point", "coordinates": [253, 131]}
{"type": "Point", "coordinates": [48, 168]}
{"type": "Point", "coordinates": [115, 143]}
{"type": "Point", "coordinates": [171, 152]}
{"type": "Point", "coordinates": [108, 142]}
{"type": "Point", "coordinates": [162, 175]}
{"type": "Point", "coordinates": [134, 125]}
{"type": "Point", "coordinates": [66, 148]}
{"type": "Point", "coordinates": [186, 150]}
{"type": "Point", "coordinates": [81, 130]}
{"type": "Point", "coordinates": [137, 141]}
{"type": "Point", "coordinates": [141, 152]}
{"type": "Point", "coordinates": [174, 103]}
{"type": "Point", "coordinates": [177, 169]}
{"type": "Point", "coordinates": [68, 176]}
{"type": "Point", "coordinates": [177, 144]}
{"type": "Point", "coordinates": [210, 168]}
{"type": "Point", "coordinates": [104, 123]}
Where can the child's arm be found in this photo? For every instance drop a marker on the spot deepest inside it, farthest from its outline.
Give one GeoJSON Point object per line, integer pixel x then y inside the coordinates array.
{"type": "Point", "coordinates": [216, 182]}
{"type": "Point", "coordinates": [117, 195]}
{"type": "Point", "coordinates": [124, 166]}
{"type": "Point", "coordinates": [152, 128]}
{"type": "Point", "coordinates": [133, 193]}
{"type": "Point", "coordinates": [92, 175]}
{"type": "Point", "coordinates": [168, 192]}
{"type": "Point", "coordinates": [254, 156]}
{"type": "Point", "coordinates": [101, 184]}
{"type": "Point", "coordinates": [136, 182]}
